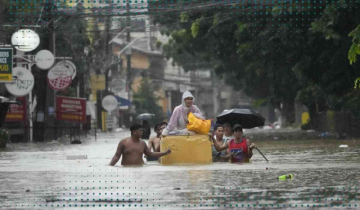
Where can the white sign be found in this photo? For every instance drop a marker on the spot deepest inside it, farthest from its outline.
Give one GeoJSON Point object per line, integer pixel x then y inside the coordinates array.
{"type": "Point", "coordinates": [109, 103]}
{"type": "Point", "coordinates": [44, 59]}
{"type": "Point", "coordinates": [110, 122]}
{"type": "Point", "coordinates": [25, 40]}
{"type": "Point", "coordinates": [118, 85]}
{"type": "Point", "coordinates": [69, 65]}
{"type": "Point", "coordinates": [59, 77]}
{"type": "Point", "coordinates": [59, 72]}
{"type": "Point", "coordinates": [23, 82]}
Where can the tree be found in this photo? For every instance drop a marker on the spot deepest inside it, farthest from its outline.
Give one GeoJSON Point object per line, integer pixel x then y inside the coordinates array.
{"type": "Point", "coordinates": [251, 54]}
{"type": "Point", "coordinates": [355, 47]}
{"type": "Point", "coordinates": [273, 61]}
{"type": "Point", "coordinates": [146, 102]}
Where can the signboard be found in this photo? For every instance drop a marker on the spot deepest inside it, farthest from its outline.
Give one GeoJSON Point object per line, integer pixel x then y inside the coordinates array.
{"type": "Point", "coordinates": [71, 109]}
{"type": "Point", "coordinates": [17, 113]}
{"type": "Point", "coordinates": [69, 65]}
{"type": "Point", "coordinates": [6, 64]}
{"type": "Point", "coordinates": [110, 122]}
{"type": "Point", "coordinates": [97, 82]}
{"type": "Point", "coordinates": [23, 82]}
{"type": "Point", "coordinates": [109, 103]}
{"type": "Point", "coordinates": [25, 40]}
{"type": "Point", "coordinates": [59, 77]}
{"type": "Point", "coordinates": [118, 85]}
{"type": "Point", "coordinates": [44, 59]}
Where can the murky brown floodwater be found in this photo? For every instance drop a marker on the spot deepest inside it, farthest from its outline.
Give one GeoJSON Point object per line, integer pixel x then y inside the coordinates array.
{"type": "Point", "coordinates": [38, 176]}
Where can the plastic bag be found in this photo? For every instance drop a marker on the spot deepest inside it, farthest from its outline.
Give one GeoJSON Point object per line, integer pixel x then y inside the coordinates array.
{"type": "Point", "coordinates": [198, 125]}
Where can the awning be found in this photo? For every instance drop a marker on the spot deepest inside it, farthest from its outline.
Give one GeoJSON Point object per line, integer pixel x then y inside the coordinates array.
{"type": "Point", "coordinates": [122, 101]}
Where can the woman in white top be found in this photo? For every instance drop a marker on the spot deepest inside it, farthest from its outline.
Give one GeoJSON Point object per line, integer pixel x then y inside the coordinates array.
{"type": "Point", "coordinates": [179, 117]}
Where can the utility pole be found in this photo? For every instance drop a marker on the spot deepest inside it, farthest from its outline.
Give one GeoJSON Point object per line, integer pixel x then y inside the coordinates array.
{"type": "Point", "coordinates": [107, 53]}
{"type": "Point", "coordinates": [47, 125]}
{"type": "Point", "coordinates": [128, 56]}
{"type": "Point", "coordinates": [215, 93]}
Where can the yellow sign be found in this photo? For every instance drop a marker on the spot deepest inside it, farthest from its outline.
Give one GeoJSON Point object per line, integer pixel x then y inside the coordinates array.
{"type": "Point", "coordinates": [97, 82]}
{"type": "Point", "coordinates": [6, 64]}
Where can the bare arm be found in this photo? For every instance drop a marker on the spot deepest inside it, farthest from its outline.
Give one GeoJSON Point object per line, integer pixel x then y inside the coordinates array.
{"type": "Point", "coordinates": [150, 143]}
{"type": "Point", "coordinates": [217, 147]}
{"type": "Point", "coordinates": [148, 153]}
{"type": "Point", "coordinates": [117, 155]}
{"type": "Point", "coordinates": [250, 148]}
{"type": "Point", "coordinates": [227, 156]}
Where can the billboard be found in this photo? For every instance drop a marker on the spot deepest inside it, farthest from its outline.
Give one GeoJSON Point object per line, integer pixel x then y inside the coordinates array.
{"type": "Point", "coordinates": [17, 113]}
{"type": "Point", "coordinates": [6, 64]}
{"type": "Point", "coordinates": [71, 109]}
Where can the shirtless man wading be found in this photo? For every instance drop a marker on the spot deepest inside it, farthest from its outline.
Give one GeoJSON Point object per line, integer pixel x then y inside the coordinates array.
{"type": "Point", "coordinates": [132, 149]}
{"type": "Point", "coordinates": [154, 142]}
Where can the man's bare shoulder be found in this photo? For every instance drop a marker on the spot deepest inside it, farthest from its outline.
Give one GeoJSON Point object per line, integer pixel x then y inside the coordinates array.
{"type": "Point", "coordinates": [156, 139]}
{"type": "Point", "coordinates": [152, 139]}
{"type": "Point", "coordinates": [125, 140]}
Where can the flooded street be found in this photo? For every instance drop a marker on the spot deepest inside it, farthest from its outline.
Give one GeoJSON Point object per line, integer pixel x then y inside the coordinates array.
{"type": "Point", "coordinates": [39, 176]}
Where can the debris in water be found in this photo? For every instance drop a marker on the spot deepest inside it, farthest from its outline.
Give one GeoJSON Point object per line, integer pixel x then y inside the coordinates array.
{"type": "Point", "coordinates": [76, 141]}
{"type": "Point", "coordinates": [76, 157]}
{"type": "Point", "coordinates": [27, 190]}
{"type": "Point", "coordinates": [287, 176]}
{"type": "Point", "coordinates": [343, 146]}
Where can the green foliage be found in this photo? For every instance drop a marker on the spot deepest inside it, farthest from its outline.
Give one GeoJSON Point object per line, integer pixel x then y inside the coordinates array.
{"type": "Point", "coordinates": [330, 115]}
{"type": "Point", "coordinates": [69, 92]}
{"type": "Point", "coordinates": [355, 47]}
{"type": "Point", "coordinates": [4, 137]}
{"type": "Point", "coordinates": [260, 102]}
{"type": "Point", "coordinates": [277, 62]}
{"type": "Point", "coordinates": [146, 102]}
{"type": "Point", "coordinates": [306, 126]}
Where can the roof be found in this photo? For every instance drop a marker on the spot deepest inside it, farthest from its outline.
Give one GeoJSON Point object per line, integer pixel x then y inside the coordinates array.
{"type": "Point", "coordinates": [141, 45]}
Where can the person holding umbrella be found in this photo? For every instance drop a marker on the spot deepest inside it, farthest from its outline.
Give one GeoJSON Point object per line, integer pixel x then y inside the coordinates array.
{"type": "Point", "coordinates": [239, 149]}
{"type": "Point", "coordinates": [179, 118]}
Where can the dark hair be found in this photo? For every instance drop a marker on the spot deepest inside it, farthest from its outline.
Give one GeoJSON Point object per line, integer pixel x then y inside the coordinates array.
{"type": "Point", "coordinates": [237, 127]}
{"type": "Point", "coordinates": [217, 126]}
{"type": "Point", "coordinates": [158, 125]}
{"type": "Point", "coordinates": [135, 127]}
{"type": "Point", "coordinates": [226, 123]}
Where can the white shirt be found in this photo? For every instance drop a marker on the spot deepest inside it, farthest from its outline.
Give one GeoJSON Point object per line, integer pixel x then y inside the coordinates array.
{"type": "Point", "coordinates": [227, 138]}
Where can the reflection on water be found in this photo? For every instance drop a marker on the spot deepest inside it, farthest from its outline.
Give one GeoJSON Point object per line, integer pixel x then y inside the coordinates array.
{"type": "Point", "coordinates": [39, 176]}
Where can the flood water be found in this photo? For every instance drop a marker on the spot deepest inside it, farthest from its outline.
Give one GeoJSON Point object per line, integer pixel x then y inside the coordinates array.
{"type": "Point", "coordinates": [39, 176]}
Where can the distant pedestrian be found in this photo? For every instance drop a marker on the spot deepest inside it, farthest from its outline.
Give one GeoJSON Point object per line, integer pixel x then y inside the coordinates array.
{"type": "Point", "coordinates": [154, 142]}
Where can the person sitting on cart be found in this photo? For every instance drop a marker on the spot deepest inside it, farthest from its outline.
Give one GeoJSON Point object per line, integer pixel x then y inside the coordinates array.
{"type": "Point", "coordinates": [179, 118]}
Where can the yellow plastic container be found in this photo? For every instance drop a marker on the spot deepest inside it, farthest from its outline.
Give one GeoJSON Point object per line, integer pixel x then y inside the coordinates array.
{"type": "Point", "coordinates": [194, 149]}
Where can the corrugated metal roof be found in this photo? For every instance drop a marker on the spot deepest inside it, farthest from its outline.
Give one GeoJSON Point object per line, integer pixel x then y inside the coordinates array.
{"type": "Point", "coordinates": [139, 45]}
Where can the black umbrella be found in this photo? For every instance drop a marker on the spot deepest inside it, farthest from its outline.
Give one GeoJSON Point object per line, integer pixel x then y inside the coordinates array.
{"type": "Point", "coordinates": [245, 117]}
{"type": "Point", "coordinates": [145, 116]}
